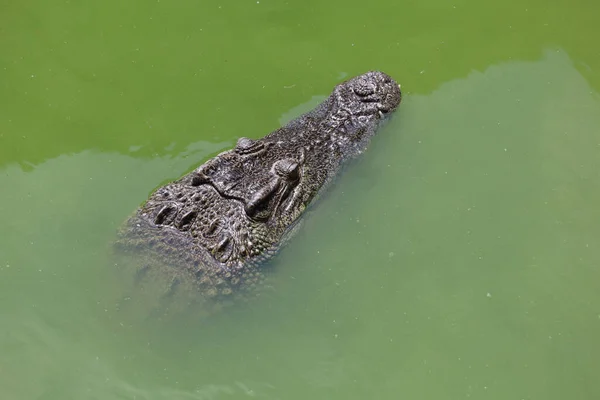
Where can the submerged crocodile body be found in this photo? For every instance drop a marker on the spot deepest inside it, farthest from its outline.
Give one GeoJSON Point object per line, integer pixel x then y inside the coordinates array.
{"type": "Point", "coordinates": [215, 226]}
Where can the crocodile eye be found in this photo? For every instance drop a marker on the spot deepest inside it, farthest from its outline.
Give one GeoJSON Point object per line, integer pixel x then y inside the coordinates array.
{"type": "Point", "coordinates": [247, 146]}
{"type": "Point", "coordinates": [287, 168]}
{"type": "Point", "coordinates": [244, 143]}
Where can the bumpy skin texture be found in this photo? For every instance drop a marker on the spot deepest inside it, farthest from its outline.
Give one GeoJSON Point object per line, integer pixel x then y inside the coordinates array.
{"type": "Point", "coordinates": [216, 225]}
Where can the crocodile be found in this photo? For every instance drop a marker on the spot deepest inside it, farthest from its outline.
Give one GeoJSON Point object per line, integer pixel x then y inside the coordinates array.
{"type": "Point", "coordinates": [215, 227]}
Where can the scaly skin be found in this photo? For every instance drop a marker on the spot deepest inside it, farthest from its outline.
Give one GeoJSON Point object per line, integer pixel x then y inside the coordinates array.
{"type": "Point", "coordinates": [213, 228]}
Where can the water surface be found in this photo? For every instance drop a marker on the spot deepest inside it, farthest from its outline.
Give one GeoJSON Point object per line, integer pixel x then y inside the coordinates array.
{"type": "Point", "coordinates": [458, 259]}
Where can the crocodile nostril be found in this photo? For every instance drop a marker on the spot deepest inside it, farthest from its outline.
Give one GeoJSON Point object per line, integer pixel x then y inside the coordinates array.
{"type": "Point", "coordinates": [364, 89]}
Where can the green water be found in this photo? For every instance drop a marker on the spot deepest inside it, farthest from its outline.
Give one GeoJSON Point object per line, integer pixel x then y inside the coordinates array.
{"type": "Point", "coordinates": [458, 259]}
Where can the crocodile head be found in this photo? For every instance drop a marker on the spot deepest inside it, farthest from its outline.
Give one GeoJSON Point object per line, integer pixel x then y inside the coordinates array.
{"type": "Point", "coordinates": [370, 93]}
{"type": "Point", "coordinates": [236, 209]}
{"type": "Point", "coordinates": [360, 104]}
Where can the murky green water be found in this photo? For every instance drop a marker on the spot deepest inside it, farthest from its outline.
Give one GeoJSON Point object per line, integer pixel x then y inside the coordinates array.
{"type": "Point", "coordinates": [458, 259]}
